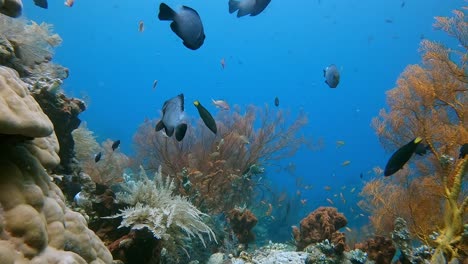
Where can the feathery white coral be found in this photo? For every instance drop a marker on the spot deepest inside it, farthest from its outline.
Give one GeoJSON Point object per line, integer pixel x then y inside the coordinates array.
{"type": "Point", "coordinates": [155, 207]}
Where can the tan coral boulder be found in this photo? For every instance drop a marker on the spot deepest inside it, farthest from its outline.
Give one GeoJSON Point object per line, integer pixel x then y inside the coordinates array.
{"type": "Point", "coordinates": [11, 8]}
{"type": "Point", "coordinates": [20, 114]}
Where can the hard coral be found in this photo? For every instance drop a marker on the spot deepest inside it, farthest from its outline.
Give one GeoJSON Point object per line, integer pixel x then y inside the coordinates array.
{"type": "Point", "coordinates": [20, 114]}
{"type": "Point", "coordinates": [318, 226]}
{"type": "Point", "coordinates": [242, 221]}
{"type": "Point", "coordinates": [35, 223]}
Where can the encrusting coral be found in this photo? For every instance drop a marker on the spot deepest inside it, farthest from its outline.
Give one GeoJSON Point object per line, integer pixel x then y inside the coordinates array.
{"type": "Point", "coordinates": [36, 225]}
{"type": "Point", "coordinates": [242, 220]}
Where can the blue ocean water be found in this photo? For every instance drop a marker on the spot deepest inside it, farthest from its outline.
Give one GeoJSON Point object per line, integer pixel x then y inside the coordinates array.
{"type": "Point", "coordinates": [282, 52]}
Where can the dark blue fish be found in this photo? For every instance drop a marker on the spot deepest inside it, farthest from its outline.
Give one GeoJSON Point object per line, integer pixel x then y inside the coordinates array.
{"type": "Point", "coordinates": [463, 151]}
{"type": "Point", "coordinates": [332, 76]}
{"type": "Point", "coordinates": [115, 145]}
{"type": "Point", "coordinates": [186, 24]}
{"type": "Point", "coordinates": [422, 149]}
{"type": "Point", "coordinates": [247, 7]}
{"type": "Point", "coordinates": [401, 156]}
{"type": "Point", "coordinates": [97, 157]}
{"type": "Point", "coordinates": [276, 101]}
{"type": "Point", "coordinates": [206, 117]}
{"type": "Point", "coordinates": [172, 119]}
{"type": "Point", "coordinates": [41, 3]}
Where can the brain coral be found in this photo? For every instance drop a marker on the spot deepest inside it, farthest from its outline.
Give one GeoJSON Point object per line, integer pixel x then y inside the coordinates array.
{"type": "Point", "coordinates": [35, 224]}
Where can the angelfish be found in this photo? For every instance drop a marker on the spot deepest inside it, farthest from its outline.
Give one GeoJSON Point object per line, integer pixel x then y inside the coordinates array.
{"type": "Point", "coordinates": [172, 119]}
{"type": "Point", "coordinates": [401, 156]}
{"type": "Point", "coordinates": [186, 24]}
{"type": "Point", "coordinates": [206, 117]}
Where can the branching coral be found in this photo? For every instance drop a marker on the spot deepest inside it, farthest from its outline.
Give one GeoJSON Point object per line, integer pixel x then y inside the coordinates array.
{"type": "Point", "coordinates": [217, 171]}
{"type": "Point", "coordinates": [430, 101]}
{"type": "Point", "coordinates": [155, 207]}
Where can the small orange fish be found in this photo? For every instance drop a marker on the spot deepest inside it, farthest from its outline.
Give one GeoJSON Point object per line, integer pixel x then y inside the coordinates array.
{"type": "Point", "coordinates": [69, 3]}
{"type": "Point", "coordinates": [303, 201]}
{"type": "Point", "coordinates": [223, 63]}
{"type": "Point", "coordinates": [141, 26]}
{"type": "Point", "coordinates": [329, 201]}
{"type": "Point", "coordinates": [327, 188]}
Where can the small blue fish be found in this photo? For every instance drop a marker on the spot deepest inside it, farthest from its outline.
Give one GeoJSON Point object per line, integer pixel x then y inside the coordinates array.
{"type": "Point", "coordinates": [332, 76]}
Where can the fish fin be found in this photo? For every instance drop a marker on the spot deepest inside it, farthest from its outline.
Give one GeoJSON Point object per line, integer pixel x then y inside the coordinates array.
{"type": "Point", "coordinates": [166, 13]}
{"type": "Point", "coordinates": [41, 3]}
{"type": "Point", "coordinates": [190, 9]}
{"type": "Point", "coordinates": [242, 13]}
{"type": "Point", "coordinates": [181, 98]}
{"type": "Point", "coordinates": [180, 131]}
{"type": "Point", "coordinates": [233, 6]}
{"type": "Point", "coordinates": [190, 46]}
{"type": "Point", "coordinates": [160, 125]}
{"type": "Point", "coordinates": [169, 131]}
{"type": "Point", "coordinates": [174, 28]}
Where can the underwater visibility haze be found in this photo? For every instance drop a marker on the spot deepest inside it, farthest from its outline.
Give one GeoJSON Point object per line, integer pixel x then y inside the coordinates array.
{"type": "Point", "coordinates": [251, 131]}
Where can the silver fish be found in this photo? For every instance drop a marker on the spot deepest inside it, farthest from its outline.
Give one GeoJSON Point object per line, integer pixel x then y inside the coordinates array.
{"type": "Point", "coordinates": [172, 119]}
{"type": "Point", "coordinates": [186, 24]}
{"type": "Point", "coordinates": [332, 76]}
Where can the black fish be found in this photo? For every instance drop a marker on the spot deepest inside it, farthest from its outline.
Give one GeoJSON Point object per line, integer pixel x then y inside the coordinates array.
{"type": "Point", "coordinates": [401, 156]}
{"type": "Point", "coordinates": [206, 117]}
{"type": "Point", "coordinates": [173, 111]}
{"type": "Point", "coordinates": [332, 76]}
{"type": "Point", "coordinates": [41, 3]}
{"type": "Point", "coordinates": [361, 175]}
{"type": "Point", "coordinates": [463, 151]}
{"type": "Point", "coordinates": [186, 24]}
{"type": "Point", "coordinates": [422, 149]}
{"type": "Point", "coordinates": [247, 7]}
{"type": "Point", "coordinates": [276, 101]}
{"type": "Point", "coordinates": [97, 157]}
{"type": "Point", "coordinates": [115, 145]}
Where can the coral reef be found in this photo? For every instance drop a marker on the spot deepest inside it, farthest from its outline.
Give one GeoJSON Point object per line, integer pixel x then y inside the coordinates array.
{"type": "Point", "coordinates": [430, 102]}
{"type": "Point", "coordinates": [319, 225]}
{"type": "Point", "coordinates": [153, 207]}
{"type": "Point", "coordinates": [36, 226]}
{"type": "Point", "coordinates": [242, 221]}
{"type": "Point", "coordinates": [379, 248]}
{"type": "Point", "coordinates": [219, 171]}
{"type": "Point", "coordinates": [63, 112]}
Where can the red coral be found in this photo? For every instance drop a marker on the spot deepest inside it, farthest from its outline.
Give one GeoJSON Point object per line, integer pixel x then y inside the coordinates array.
{"type": "Point", "coordinates": [242, 222]}
{"type": "Point", "coordinates": [318, 226]}
{"type": "Point", "coordinates": [380, 249]}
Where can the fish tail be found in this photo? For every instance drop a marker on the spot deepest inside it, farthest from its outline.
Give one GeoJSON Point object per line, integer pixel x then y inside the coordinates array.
{"type": "Point", "coordinates": [233, 6]}
{"type": "Point", "coordinates": [180, 131]}
{"type": "Point", "coordinates": [417, 140]}
{"type": "Point", "coordinates": [160, 125]}
{"type": "Point", "coordinates": [196, 103]}
{"type": "Point", "coordinates": [165, 12]}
